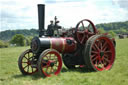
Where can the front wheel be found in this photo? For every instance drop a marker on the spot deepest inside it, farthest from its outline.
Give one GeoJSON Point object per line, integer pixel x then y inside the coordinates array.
{"type": "Point", "coordinates": [49, 63]}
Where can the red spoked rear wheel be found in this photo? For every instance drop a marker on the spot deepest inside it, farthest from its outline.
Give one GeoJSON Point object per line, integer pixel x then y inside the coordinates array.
{"type": "Point", "coordinates": [27, 62]}
{"type": "Point", "coordinates": [100, 53]}
{"type": "Point", "coordinates": [50, 63]}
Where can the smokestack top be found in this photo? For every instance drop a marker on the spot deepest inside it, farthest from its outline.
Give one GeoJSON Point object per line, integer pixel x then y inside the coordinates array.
{"type": "Point", "coordinates": [41, 4]}
{"type": "Point", "coordinates": [41, 18]}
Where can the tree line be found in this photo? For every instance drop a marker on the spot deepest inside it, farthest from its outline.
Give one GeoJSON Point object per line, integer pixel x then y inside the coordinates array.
{"type": "Point", "coordinates": [8, 34]}
{"type": "Point", "coordinates": [117, 27]}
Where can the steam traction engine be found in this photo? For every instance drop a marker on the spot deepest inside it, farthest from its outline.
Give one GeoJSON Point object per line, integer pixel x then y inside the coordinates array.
{"type": "Point", "coordinates": [81, 46]}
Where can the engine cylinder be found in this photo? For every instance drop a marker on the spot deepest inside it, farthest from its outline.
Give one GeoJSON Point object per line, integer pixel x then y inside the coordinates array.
{"type": "Point", "coordinates": [63, 45]}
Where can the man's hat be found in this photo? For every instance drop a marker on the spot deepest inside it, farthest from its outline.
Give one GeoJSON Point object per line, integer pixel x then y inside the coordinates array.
{"type": "Point", "coordinates": [51, 21]}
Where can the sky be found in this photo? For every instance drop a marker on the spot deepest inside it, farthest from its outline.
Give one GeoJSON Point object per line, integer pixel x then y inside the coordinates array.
{"type": "Point", "coordinates": [23, 14]}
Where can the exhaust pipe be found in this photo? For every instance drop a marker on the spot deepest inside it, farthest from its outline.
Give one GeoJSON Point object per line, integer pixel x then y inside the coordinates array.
{"type": "Point", "coordinates": [41, 19]}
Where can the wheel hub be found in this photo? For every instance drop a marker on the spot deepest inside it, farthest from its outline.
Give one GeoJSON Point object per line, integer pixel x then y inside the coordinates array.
{"type": "Point", "coordinates": [52, 64]}
{"type": "Point", "coordinates": [29, 63]}
{"type": "Point", "coordinates": [101, 54]}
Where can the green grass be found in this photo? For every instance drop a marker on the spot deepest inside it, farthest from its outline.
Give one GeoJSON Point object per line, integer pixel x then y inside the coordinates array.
{"type": "Point", "coordinates": [118, 75]}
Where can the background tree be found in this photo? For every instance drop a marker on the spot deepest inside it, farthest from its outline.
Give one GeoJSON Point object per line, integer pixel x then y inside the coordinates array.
{"type": "Point", "coordinates": [112, 33]}
{"type": "Point", "coordinates": [3, 44]}
{"type": "Point", "coordinates": [123, 31]}
{"type": "Point", "coordinates": [18, 39]}
{"type": "Point", "coordinates": [28, 40]}
{"type": "Point", "coordinates": [101, 30]}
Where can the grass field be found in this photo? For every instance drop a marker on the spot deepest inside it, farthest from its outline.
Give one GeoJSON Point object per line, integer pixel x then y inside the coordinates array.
{"type": "Point", "coordinates": [118, 75]}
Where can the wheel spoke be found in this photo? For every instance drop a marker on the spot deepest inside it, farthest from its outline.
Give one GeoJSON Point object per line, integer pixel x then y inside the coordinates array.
{"type": "Point", "coordinates": [51, 70]}
{"type": "Point", "coordinates": [28, 69]}
{"type": "Point", "coordinates": [44, 61]}
{"type": "Point", "coordinates": [46, 71]}
{"type": "Point", "coordinates": [54, 69]}
{"type": "Point", "coordinates": [30, 58]}
{"type": "Point", "coordinates": [103, 66]}
{"type": "Point", "coordinates": [105, 55]}
{"type": "Point", "coordinates": [93, 55]}
{"type": "Point", "coordinates": [83, 38]}
{"type": "Point", "coordinates": [95, 52]}
{"type": "Point", "coordinates": [25, 57]}
{"type": "Point", "coordinates": [83, 24]}
{"type": "Point", "coordinates": [25, 66]}
{"type": "Point", "coordinates": [107, 51]}
{"type": "Point", "coordinates": [93, 47]}
{"type": "Point", "coordinates": [55, 65]}
{"type": "Point", "coordinates": [89, 26]}
{"type": "Point", "coordinates": [97, 47]}
{"type": "Point", "coordinates": [47, 57]}
{"type": "Point", "coordinates": [55, 62]}
{"type": "Point", "coordinates": [99, 62]}
{"type": "Point", "coordinates": [24, 62]}
{"type": "Point", "coordinates": [32, 70]}
{"type": "Point", "coordinates": [95, 58]}
{"type": "Point", "coordinates": [100, 45]}
{"type": "Point", "coordinates": [96, 63]}
{"type": "Point", "coordinates": [55, 58]}
{"type": "Point", "coordinates": [87, 36]}
{"type": "Point", "coordinates": [28, 55]}
{"type": "Point", "coordinates": [104, 44]}
{"type": "Point", "coordinates": [105, 48]}
{"type": "Point", "coordinates": [107, 60]}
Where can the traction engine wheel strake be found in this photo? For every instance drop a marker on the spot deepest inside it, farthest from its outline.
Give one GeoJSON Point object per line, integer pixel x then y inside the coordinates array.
{"type": "Point", "coordinates": [50, 63]}
{"type": "Point", "coordinates": [100, 53]}
{"type": "Point", "coordinates": [83, 32]}
{"type": "Point", "coordinates": [27, 63]}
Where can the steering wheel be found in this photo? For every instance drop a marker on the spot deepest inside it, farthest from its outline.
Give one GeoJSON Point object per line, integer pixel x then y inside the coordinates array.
{"type": "Point", "coordinates": [84, 29]}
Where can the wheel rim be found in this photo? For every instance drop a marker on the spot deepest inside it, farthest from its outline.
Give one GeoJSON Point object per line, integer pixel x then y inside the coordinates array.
{"type": "Point", "coordinates": [51, 63]}
{"type": "Point", "coordinates": [102, 54]}
{"type": "Point", "coordinates": [27, 62]}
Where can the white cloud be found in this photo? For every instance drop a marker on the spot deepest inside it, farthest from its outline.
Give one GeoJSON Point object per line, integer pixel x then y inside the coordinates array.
{"type": "Point", "coordinates": [19, 14]}
{"type": "Point", "coordinates": [121, 3]}
{"type": "Point", "coordinates": [22, 14]}
{"type": "Point", "coordinates": [70, 13]}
